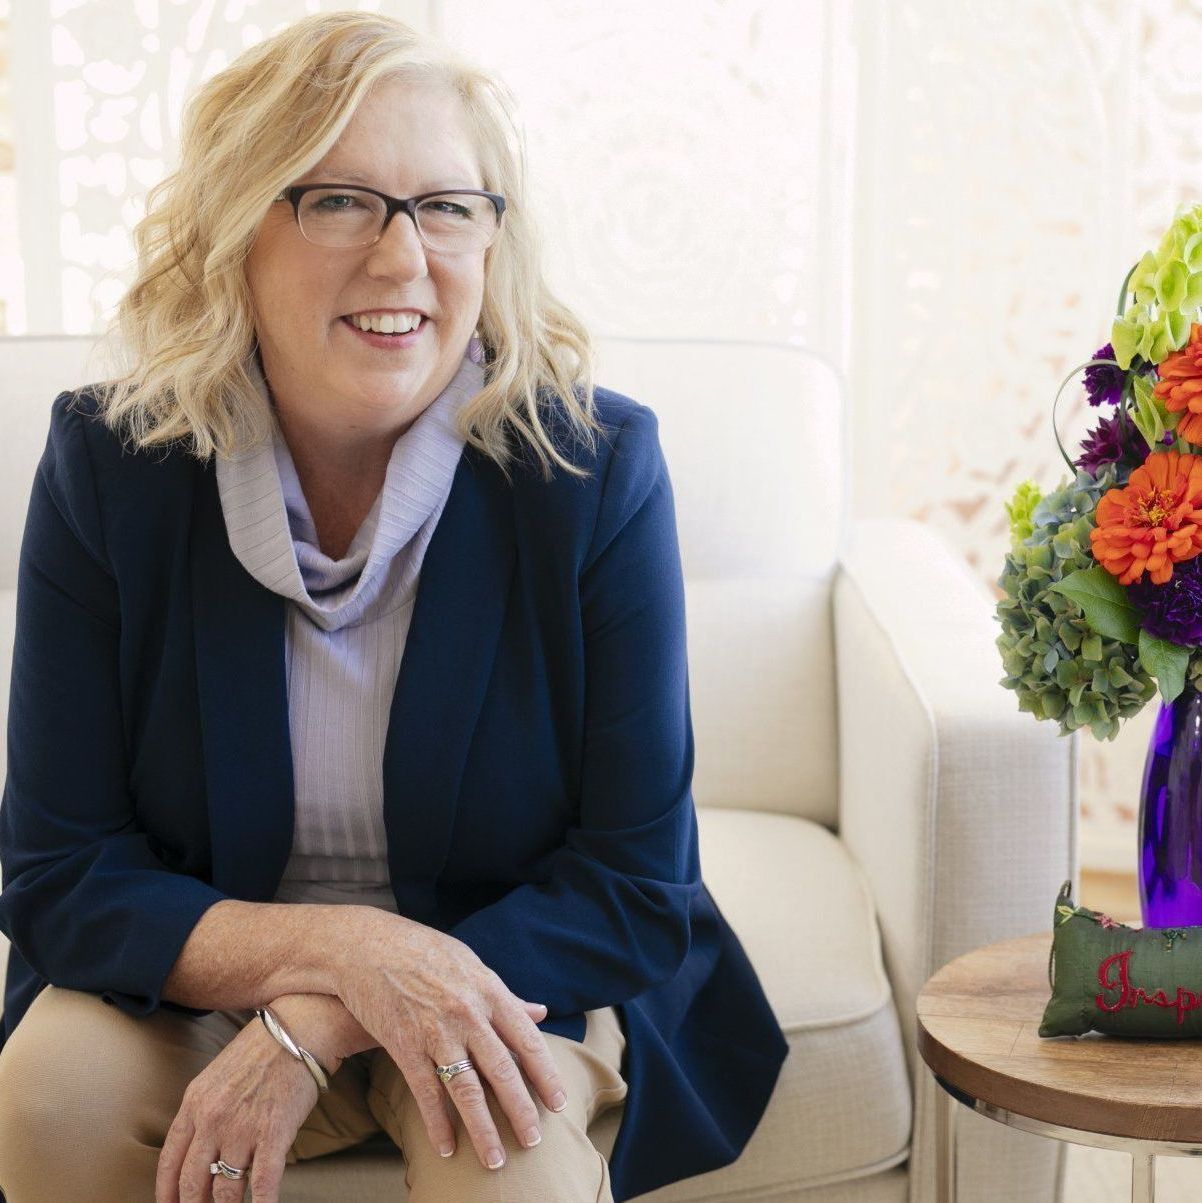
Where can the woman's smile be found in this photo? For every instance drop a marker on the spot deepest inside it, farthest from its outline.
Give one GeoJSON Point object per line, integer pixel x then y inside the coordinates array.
{"type": "Point", "coordinates": [390, 341]}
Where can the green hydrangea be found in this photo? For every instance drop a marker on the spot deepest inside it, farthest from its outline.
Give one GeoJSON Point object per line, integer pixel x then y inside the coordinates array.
{"type": "Point", "coordinates": [1058, 665]}
{"type": "Point", "coordinates": [1026, 497]}
{"type": "Point", "coordinates": [1167, 287]}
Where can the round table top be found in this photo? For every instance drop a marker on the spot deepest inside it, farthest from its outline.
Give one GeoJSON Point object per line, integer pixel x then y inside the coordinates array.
{"type": "Point", "coordinates": [978, 1029]}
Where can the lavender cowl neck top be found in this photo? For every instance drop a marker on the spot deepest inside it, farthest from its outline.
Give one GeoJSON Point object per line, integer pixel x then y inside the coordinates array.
{"type": "Point", "coordinates": [345, 632]}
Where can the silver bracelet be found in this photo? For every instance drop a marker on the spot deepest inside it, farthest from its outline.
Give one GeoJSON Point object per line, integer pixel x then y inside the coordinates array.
{"type": "Point", "coordinates": [273, 1025]}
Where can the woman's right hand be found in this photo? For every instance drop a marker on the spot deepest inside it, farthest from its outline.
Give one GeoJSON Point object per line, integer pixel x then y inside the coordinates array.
{"type": "Point", "coordinates": [429, 1000]}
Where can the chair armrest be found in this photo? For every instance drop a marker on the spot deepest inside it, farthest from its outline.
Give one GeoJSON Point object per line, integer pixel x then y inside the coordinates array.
{"type": "Point", "coordinates": [961, 809]}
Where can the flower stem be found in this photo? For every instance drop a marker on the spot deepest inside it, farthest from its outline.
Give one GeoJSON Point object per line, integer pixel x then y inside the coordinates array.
{"type": "Point", "coordinates": [1123, 291]}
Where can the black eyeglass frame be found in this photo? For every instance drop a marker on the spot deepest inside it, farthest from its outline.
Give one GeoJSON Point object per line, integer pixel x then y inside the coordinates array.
{"type": "Point", "coordinates": [393, 204]}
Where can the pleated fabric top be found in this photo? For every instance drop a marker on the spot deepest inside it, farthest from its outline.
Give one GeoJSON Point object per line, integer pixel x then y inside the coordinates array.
{"type": "Point", "coordinates": [347, 621]}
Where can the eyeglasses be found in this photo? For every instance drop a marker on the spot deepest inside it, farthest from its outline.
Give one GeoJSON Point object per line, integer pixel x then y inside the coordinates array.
{"type": "Point", "coordinates": [452, 222]}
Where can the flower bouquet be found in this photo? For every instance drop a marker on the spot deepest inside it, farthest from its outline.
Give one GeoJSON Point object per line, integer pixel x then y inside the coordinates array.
{"type": "Point", "coordinates": [1102, 584]}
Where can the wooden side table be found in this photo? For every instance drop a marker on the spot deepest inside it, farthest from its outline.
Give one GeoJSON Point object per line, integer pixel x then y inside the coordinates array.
{"type": "Point", "coordinates": [978, 1031]}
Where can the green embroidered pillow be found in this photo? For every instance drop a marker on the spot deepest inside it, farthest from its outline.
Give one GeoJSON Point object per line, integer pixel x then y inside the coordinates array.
{"type": "Point", "coordinates": [1123, 981]}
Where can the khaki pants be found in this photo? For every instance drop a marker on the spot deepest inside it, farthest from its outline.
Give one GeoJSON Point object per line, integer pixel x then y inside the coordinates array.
{"type": "Point", "coordinates": [87, 1094]}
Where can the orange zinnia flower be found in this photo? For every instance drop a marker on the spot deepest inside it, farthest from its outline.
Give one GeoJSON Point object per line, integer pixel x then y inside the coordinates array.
{"type": "Point", "coordinates": [1152, 523]}
{"type": "Point", "coordinates": [1180, 386]}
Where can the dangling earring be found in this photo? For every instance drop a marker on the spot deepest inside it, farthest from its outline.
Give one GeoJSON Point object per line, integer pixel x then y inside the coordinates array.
{"type": "Point", "coordinates": [475, 348]}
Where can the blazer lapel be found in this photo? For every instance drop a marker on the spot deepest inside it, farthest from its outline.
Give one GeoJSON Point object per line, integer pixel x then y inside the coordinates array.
{"type": "Point", "coordinates": [449, 652]}
{"type": "Point", "coordinates": [242, 686]}
{"type": "Point", "coordinates": [243, 691]}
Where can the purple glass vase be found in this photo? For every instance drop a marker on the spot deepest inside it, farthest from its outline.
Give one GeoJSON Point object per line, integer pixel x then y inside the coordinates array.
{"type": "Point", "coordinates": [1170, 816]}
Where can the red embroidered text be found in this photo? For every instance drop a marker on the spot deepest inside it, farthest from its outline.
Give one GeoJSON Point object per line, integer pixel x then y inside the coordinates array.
{"type": "Point", "coordinates": [1132, 996]}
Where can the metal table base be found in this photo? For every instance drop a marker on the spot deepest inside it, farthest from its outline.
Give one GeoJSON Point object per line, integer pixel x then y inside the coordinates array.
{"type": "Point", "coordinates": [1143, 1152]}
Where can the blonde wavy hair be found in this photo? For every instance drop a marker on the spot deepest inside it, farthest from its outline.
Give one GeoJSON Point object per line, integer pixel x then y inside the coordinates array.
{"type": "Point", "coordinates": [186, 323]}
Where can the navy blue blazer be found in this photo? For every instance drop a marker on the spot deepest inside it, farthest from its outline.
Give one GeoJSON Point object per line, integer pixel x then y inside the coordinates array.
{"type": "Point", "coordinates": [537, 767]}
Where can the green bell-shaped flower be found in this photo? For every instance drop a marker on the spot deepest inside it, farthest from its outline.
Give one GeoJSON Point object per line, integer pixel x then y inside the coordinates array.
{"type": "Point", "coordinates": [1127, 332]}
{"type": "Point", "coordinates": [1166, 287]}
{"type": "Point", "coordinates": [1171, 283]}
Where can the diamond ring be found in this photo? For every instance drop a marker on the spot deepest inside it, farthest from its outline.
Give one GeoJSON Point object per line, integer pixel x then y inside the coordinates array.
{"type": "Point", "coordinates": [447, 1072]}
{"type": "Point", "coordinates": [228, 1171]}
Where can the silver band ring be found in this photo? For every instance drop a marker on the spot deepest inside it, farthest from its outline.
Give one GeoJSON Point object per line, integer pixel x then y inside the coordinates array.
{"type": "Point", "coordinates": [447, 1072]}
{"type": "Point", "coordinates": [228, 1171]}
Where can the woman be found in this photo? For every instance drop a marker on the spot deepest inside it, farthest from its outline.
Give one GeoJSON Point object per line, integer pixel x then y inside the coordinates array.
{"type": "Point", "coordinates": [327, 891]}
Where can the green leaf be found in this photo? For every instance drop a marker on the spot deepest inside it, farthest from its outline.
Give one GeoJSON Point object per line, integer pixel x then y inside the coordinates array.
{"type": "Point", "coordinates": [1166, 662]}
{"type": "Point", "coordinates": [1103, 601]}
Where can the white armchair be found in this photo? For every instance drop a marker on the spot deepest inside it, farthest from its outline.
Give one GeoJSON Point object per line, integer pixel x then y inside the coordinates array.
{"type": "Point", "coordinates": [871, 802]}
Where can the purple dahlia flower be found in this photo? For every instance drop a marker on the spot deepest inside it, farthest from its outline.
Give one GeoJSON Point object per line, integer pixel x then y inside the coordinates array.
{"type": "Point", "coordinates": [1104, 382]}
{"type": "Point", "coordinates": [1115, 440]}
{"type": "Point", "coordinates": [1172, 611]}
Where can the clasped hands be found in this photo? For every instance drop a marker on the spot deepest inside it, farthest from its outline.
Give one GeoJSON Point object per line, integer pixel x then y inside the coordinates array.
{"type": "Point", "coordinates": [420, 994]}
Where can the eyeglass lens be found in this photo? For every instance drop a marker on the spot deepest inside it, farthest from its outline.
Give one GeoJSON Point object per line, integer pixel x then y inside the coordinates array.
{"type": "Point", "coordinates": [349, 217]}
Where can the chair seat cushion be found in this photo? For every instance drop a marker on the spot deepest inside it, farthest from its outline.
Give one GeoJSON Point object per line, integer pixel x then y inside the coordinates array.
{"type": "Point", "coordinates": [802, 909]}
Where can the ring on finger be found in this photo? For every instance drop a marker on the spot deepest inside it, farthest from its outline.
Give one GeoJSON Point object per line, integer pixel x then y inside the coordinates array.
{"type": "Point", "coordinates": [447, 1072]}
{"type": "Point", "coordinates": [226, 1170]}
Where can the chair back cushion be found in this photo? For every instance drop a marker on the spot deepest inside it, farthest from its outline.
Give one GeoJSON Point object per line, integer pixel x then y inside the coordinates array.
{"type": "Point", "coordinates": [753, 435]}
{"type": "Point", "coordinates": [33, 371]}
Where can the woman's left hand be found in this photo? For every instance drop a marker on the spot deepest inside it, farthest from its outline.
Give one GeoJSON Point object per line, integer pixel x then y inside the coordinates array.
{"type": "Point", "coordinates": [244, 1108]}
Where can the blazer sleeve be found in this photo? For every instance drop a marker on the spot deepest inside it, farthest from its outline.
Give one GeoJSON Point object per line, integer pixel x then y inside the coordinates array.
{"type": "Point", "coordinates": [85, 900]}
{"type": "Point", "coordinates": [612, 919]}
